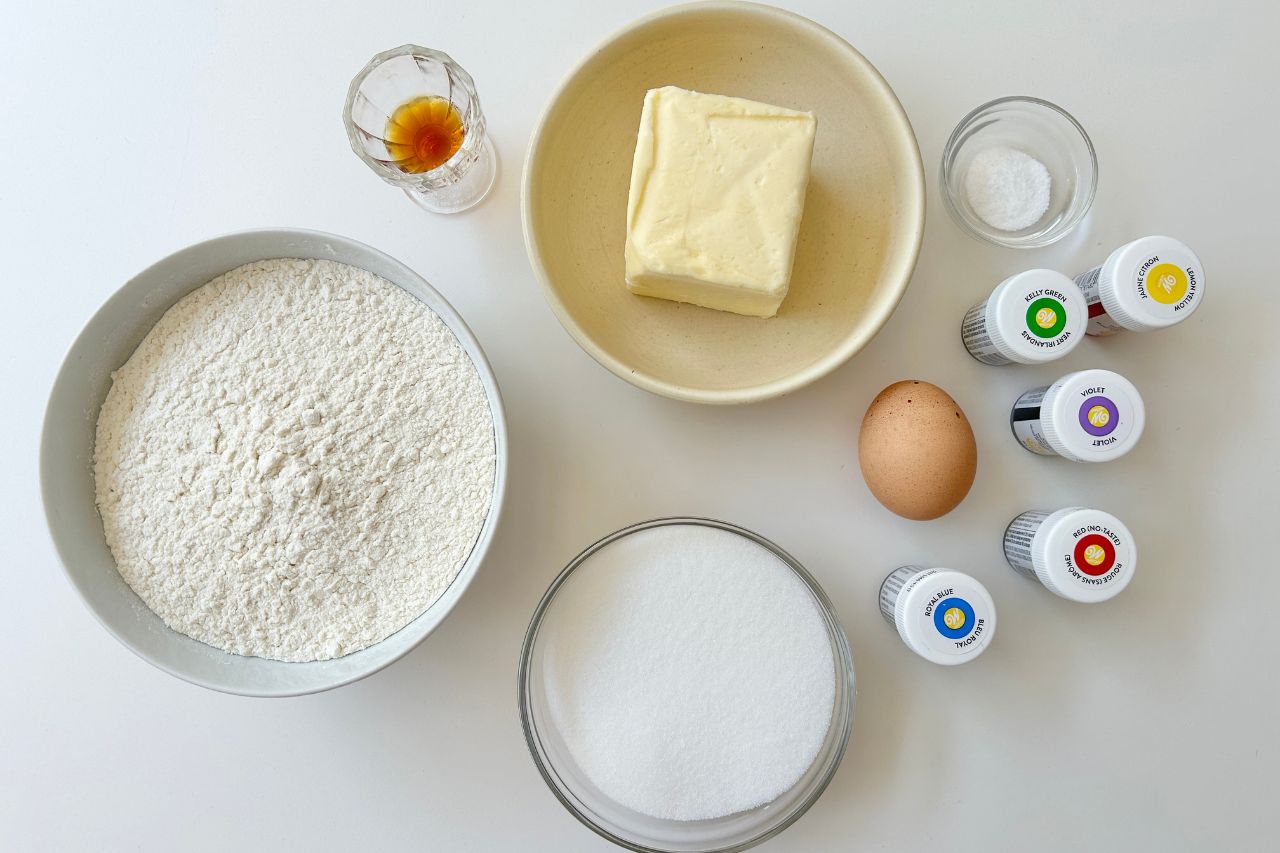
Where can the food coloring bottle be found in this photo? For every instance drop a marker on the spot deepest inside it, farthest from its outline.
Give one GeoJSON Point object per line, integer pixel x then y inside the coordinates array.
{"type": "Point", "coordinates": [1148, 284]}
{"type": "Point", "coordinates": [942, 615]}
{"type": "Point", "coordinates": [1081, 554]}
{"type": "Point", "coordinates": [1086, 416]}
{"type": "Point", "coordinates": [1030, 318]}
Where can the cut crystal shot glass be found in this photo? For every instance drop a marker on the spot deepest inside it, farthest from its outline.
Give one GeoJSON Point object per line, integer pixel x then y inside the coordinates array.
{"type": "Point", "coordinates": [413, 116]}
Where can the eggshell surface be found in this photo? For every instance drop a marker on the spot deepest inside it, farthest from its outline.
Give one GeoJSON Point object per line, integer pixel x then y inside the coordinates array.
{"type": "Point", "coordinates": [916, 450]}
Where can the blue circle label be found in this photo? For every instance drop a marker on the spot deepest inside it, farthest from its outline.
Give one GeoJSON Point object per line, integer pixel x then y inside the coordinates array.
{"type": "Point", "coordinates": [953, 617]}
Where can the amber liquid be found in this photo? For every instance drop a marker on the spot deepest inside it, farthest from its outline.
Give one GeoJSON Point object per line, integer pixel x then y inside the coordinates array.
{"type": "Point", "coordinates": [424, 133]}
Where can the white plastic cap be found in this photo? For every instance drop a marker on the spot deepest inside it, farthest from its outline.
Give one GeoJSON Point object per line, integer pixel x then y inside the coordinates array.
{"type": "Point", "coordinates": [1092, 416]}
{"type": "Point", "coordinates": [1083, 554]}
{"type": "Point", "coordinates": [1151, 283]}
{"type": "Point", "coordinates": [945, 616]}
{"type": "Point", "coordinates": [1036, 316]}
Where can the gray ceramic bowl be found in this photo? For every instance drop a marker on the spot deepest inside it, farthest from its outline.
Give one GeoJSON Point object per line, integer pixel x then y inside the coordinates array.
{"type": "Point", "coordinates": [66, 457]}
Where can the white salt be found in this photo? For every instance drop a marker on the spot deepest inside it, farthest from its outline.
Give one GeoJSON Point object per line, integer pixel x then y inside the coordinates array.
{"type": "Point", "coordinates": [689, 671]}
{"type": "Point", "coordinates": [1007, 188]}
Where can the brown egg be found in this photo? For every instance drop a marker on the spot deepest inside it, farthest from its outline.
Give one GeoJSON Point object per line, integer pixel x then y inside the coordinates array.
{"type": "Point", "coordinates": [916, 450]}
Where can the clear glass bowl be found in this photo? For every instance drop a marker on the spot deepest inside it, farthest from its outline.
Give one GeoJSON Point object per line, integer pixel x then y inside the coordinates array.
{"type": "Point", "coordinates": [636, 831]}
{"type": "Point", "coordinates": [1046, 132]}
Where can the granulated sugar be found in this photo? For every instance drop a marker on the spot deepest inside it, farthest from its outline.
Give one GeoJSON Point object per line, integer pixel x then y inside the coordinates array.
{"type": "Point", "coordinates": [1007, 188]}
{"type": "Point", "coordinates": [689, 671]}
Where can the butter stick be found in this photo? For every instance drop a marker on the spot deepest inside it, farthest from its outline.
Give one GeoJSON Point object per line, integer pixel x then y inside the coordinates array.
{"type": "Point", "coordinates": [717, 192]}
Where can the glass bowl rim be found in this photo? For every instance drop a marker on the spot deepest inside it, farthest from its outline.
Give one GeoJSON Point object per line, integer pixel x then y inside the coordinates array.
{"type": "Point", "coordinates": [953, 143]}
{"type": "Point", "coordinates": [839, 648]}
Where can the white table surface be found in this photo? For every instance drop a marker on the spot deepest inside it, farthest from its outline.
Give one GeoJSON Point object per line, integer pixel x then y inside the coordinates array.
{"type": "Point", "coordinates": [1148, 723]}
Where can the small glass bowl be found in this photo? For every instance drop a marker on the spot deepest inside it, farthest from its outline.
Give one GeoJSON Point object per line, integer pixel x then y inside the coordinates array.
{"type": "Point", "coordinates": [1046, 132]}
{"type": "Point", "coordinates": [641, 832]}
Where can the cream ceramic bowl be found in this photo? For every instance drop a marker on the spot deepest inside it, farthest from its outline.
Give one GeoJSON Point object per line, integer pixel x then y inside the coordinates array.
{"type": "Point", "coordinates": [859, 238]}
{"type": "Point", "coordinates": [66, 464]}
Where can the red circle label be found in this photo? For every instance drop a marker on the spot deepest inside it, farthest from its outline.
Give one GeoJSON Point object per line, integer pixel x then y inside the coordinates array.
{"type": "Point", "coordinates": [1094, 555]}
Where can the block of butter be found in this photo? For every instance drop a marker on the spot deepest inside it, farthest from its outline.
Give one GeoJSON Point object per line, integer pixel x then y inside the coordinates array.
{"type": "Point", "coordinates": [717, 190]}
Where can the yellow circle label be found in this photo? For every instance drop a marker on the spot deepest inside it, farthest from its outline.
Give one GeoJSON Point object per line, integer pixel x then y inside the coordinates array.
{"type": "Point", "coordinates": [954, 618]}
{"type": "Point", "coordinates": [1046, 317]}
{"type": "Point", "coordinates": [1099, 416]}
{"type": "Point", "coordinates": [1094, 555]}
{"type": "Point", "coordinates": [1166, 283]}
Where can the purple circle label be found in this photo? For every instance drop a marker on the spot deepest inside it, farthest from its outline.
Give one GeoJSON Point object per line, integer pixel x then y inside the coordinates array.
{"type": "Point", "coordinates": [1099, 416]}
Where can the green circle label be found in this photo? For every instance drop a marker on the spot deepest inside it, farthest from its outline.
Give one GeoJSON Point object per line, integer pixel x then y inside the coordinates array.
{"type": "Point", "coordinates": [1046, 317]}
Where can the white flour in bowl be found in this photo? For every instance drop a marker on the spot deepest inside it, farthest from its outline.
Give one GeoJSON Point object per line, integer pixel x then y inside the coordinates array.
{"type": "Point", "coordinates": [295, 462]}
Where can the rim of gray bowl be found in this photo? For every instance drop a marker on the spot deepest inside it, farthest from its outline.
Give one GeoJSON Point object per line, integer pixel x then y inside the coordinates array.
{"type": "Point", "coordinates": [57, 474]}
